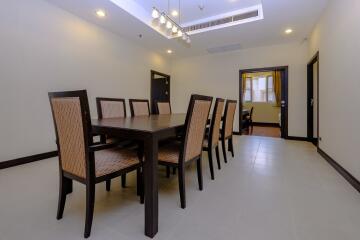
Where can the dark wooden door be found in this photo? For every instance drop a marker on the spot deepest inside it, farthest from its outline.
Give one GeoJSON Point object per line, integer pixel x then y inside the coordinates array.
{"type": "Point", "coordinates": [160, 88]}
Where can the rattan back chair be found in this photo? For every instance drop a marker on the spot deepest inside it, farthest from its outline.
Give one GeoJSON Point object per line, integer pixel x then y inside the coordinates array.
{"type": "Point", "coordinates": [227, 127]}
{"type": "Point", "coordinates": [190, 147]}
{"type": "Point", "coordinates": [79, 159]}
{"type": "Point", "coordinates": [212, 140]}
{"type": "Point", "coordinates": [163, 107]}
{"type": "Point", "coordinates": [139, 107]}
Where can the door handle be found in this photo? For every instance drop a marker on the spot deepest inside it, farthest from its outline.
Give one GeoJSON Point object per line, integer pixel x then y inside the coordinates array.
{"type": "Point", "coordinates": [283, 103]}
{"type": "Point", "coordinates": [312, 102]}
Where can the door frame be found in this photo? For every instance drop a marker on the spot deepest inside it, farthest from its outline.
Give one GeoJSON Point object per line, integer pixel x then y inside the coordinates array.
{"type": "Point", "coordinates": [310, 95]}
{"type": "Point", "coordinates": [152, 77]}
{"type": "Point", "coordinates": [284, 93]}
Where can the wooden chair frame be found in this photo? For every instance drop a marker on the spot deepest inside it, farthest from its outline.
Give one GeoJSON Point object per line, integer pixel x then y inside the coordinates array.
{"type": "Point", "coordinates": [181, 163]}
{"type": "Point", "coordinates": [223, 138]}
{"type": "Point", "coordinates": [157, 107]}
{"type": "Point", "coordinates": [66, 178]}
{"type": "Point", "coordinates": [100, 116]}
{"type": "Point", "coordinates": [211, 144]}
{"type": "Point", "coordinates": [131, 101]}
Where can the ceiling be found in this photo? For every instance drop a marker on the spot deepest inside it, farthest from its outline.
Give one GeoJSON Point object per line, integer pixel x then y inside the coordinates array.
{"type": "Point", "coordinates": [190, 9]}
{"type": "Point", "coordinates": [300, 15]}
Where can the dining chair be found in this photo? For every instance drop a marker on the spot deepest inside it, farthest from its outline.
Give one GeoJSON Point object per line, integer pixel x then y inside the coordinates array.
{"type": "Point", "coordinates": [227, 127]}
{"type": "Point", "coordinates": [111, 108]}
{"type": "Point", "coordinates": [189, 149]}
{"type": "Point", "coordinates": [212, 139]}
{"type": "Point", "coordinates": [79, 159]}
{"type": "Point", "coordinates": [139, 107]}
{"type": "Point", "coordinates": [248, 121]}
{"type": "Point", "coordinates": [163, 107]}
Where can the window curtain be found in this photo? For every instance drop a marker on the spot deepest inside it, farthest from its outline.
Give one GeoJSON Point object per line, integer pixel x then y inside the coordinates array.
{"type": "Point", "coordinates": [243, 76]}
{"type": "Point", "coordinates": [277, 87]}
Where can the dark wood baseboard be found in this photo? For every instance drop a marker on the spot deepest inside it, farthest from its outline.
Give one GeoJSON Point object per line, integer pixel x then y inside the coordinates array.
{"type": "Point", "coordinates": [28, 159]}
{"type": "Point", "coordinates": [305, 139]}
{"type": "Point", "coordinates": [342, 171]}
{"type": "Point", "coordinates": [263, 124]}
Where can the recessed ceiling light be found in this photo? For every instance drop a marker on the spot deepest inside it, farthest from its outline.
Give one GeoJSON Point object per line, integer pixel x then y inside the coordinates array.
{"type": "Point", "coordinates": [288, 31]}
{"type": "Point", "coordinates": [169, 51]}
{"type": "Point", "coordinates": [100, 13]}
{"type": "Point", "coordinates": [174, 13]}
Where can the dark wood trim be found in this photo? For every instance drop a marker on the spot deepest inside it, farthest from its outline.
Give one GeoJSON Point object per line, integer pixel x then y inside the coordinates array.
{"type": "Point", "coordinates": [284, 87]}
{"type": "Point", "coordinates": [237, 133]}
{"type": "Point", "coordinates": [27, 159]}
{"type": "Point", "coordinates": [153, 104]}
{"type": "Point", "coordinates": [264, 124]}
{"type": "Point", "coordinates": [305, 139]}
{"type": "Point", "coordinates": [310, 95]}
{"type": "Point", "coordinates": [153, 72]}
{"type": "Point", "coordinates": [342, 171]}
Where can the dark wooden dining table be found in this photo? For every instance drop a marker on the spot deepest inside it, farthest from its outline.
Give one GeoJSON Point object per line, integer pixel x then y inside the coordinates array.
{"type": "Point", "coordinates": [150, 130]}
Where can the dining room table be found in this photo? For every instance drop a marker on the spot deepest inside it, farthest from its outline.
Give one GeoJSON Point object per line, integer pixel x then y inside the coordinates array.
{"type": "Point", "coordinates": [149, 130]}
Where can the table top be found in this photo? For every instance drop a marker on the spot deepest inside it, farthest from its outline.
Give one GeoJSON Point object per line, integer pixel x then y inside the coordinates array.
{"type": "Point", "coordinates": [152, 123]}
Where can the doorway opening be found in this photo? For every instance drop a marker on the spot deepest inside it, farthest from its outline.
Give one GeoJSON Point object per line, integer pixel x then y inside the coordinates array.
{"type": "Point", "coordinates": [263, 97]}
{"type": "Point", "coordinates": [160, 89]}
{"type": "Point", "coordinates": [313, 99]}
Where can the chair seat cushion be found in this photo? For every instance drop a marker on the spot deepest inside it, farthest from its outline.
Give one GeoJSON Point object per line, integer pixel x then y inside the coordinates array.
{"type": "Point", "coordinates": [112, 160]}
{"type": "Point", "coordinates": [169, 153]}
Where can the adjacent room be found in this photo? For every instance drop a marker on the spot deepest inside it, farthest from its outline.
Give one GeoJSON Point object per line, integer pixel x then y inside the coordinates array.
{"type": "Point", "coordinates": [179, 119]}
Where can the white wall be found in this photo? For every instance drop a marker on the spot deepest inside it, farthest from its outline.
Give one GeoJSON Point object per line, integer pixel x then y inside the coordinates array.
{"type": "Point", "coordinates": [264, 112]}
{"type": "Point", "coordinates": [337, 39]}
{"type": "Point", "coordinates": [44, 48]}
{"type": "Point", "coordinates": [218, 75]}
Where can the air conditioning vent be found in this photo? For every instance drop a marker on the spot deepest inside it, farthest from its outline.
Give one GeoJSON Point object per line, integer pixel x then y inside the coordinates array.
{"type": "Point", "coordinates": [223, 21]}
{"type": "Point", "coordinates": [226, 48]}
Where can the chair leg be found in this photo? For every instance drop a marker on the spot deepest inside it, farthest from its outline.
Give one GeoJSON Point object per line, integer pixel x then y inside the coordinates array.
{"type": "Point", "coordinates": [211, 165]}
{"type": "Point", "coordinates": [90, 199]}
{"type": "Point", "coordinates": [108, 185]}
{"type": "Point", "coordinates": [138, 181]}
{"type": "Point", "coordinates": [199, 173]}
{"type": "Point", "coordinates": [231, 146]}
{"type": "Point", "coordinates": [181, 176]}
{"type": "Point", "coordinates": [167, 171]}
{"type": "Point", "coordinates": [218, 156]}
{"type": "Point", "coordinates": [123, 180]}
{"type": "Point", "coordinates": [65, 187]}
{"type": "Point", "coordinates": [174, 170]}
{"type": "Point", "coordinates": [224, 149]}
{"type": "Point", "coordinates": [140, 184]}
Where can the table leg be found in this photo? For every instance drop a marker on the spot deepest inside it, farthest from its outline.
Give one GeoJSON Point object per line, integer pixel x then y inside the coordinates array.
{"type": "Point", "coordinates": [151, 186]}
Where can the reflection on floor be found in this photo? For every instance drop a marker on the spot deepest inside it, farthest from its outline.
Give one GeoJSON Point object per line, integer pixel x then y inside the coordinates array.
{"type": "Point", "coordinates": [273, 189]}
{"type": "Point", "coordinates": [265, 131]}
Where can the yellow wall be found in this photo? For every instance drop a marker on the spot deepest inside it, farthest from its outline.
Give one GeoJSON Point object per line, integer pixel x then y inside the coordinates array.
{"type": "Point", "coordinates": [264, 112]}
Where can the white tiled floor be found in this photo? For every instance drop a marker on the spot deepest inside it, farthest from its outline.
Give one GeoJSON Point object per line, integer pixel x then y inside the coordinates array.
{"type": "Point", "coordinates": [273, 189]}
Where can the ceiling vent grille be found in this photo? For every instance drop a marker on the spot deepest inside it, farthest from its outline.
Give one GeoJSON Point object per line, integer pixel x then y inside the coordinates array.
{"type": "Point", "coordinates": [218, 22]}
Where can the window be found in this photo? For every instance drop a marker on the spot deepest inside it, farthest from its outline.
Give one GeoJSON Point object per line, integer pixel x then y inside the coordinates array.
{"type": "Point", "coordinates": [259, 89]}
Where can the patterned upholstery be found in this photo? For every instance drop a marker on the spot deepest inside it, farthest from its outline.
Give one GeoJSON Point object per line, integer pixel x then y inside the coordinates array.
{"type": "Point", "coordinates": [217, 122]}
{"type": "Point", "coordinates": [112, 160]}
{"type": "Point", "coordinates": [195, 134]}
{"type": "Point", "coordinates": [230, 119]}
{"type": "Point", "coordinates": [112, 109]}
{"type": "Point", "coordinates": [141, 108]}
{"type": "Point", "coordinates": [164, 107]}
{"type": "Point", "coordinates": [68, 119]}
{"type": "Point", "coordinates": [169, 153]}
